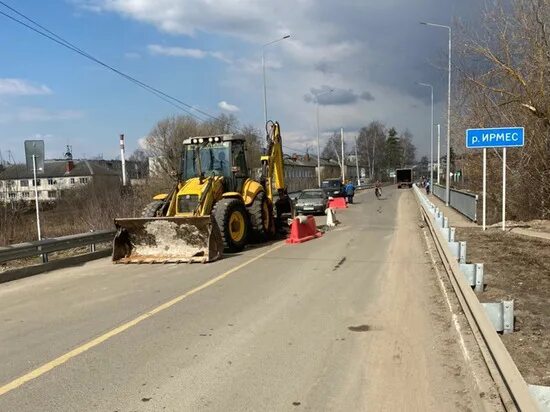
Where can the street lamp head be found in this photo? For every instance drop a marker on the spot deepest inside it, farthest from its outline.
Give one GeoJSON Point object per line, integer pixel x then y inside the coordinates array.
{"type": "Point", "coordinates": [287, 36]}
{"type": "Point", "coordinates": [425, 23]}
{"type": "Point", "coordinates": [322, 94]}
{"type": "Point", "coordinates": [423, 84]}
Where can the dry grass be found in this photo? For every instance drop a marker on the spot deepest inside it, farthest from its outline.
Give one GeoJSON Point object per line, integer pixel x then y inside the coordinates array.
{"type": "Point", "coordinates": [518, 267]}
{"type": "Point", "coordinates": [91, 208]}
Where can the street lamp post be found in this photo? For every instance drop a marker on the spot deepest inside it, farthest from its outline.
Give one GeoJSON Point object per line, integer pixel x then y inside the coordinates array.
{"type": "Point", "coordinates": [431, 131]}
{"type": "Point", "coordinates": [438, 151]}
{"type": "Point", "coordinates": [448, 168]}
{"type": "Point", "coordinates": [263, 70]}
{"type": "Point", "coordinates": [318, 144]}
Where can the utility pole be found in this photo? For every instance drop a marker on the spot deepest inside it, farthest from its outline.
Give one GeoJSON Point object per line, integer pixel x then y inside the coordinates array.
{"type": "Point", "coordinates": [431, 130]}
{"type": "Point", "coordinates": [357, 163]}
{"type": "Point", "coordinates": [263, 71]}
{"type": "Point", "coordinates": [36, 198]}
{"type": "Point", "coordinates": [343, 159]}
{"type": "Point", "coordinates": [448, 166]}
{"type": "Point", "coordinates": [372, 166]}
{"type": "Point", "coordinates": [318, 144]}
{"type": "Point", "coordinates": [438, 151]}
{"type": "Point", "coordinates": [122, 160]}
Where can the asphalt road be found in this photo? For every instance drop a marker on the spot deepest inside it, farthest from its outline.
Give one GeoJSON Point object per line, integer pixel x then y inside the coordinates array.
{"type": "Point", "coordinates": [345, 322]}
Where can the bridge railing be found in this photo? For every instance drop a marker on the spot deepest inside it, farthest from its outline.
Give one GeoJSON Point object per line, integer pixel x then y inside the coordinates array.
{"type": "Point", "coordinates": [46, 246]}
{"type": "Point", "coordinates": [461, 201]}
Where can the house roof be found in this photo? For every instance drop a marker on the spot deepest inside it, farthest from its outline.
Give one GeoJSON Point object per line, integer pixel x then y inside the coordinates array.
{"type": "Point", "coordinates": [56, 168]}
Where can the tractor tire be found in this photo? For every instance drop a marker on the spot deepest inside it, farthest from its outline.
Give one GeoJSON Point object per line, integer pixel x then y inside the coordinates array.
{"type": "Point", "coordinates": [152, 208]}
{"type": "Point", "coordinates": [232, 219]}
{"type": "Point", "coordinates": [261, 218]}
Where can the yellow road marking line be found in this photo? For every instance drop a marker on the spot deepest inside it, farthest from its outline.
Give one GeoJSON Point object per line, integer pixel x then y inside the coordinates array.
{"type": "Point", "coordinates": [125, 326]}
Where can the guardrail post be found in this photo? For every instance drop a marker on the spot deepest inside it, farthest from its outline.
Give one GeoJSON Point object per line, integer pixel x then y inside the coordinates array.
{"type": "Point", "coordinates": [452, 235]}
{"type": "Point", "coordinates": [508, 316]}
{"type": "Point", "coordinates": [446, 233]}
{"type": "Point", "coordinates": [44, 256]}
{"type": "Point", "coordinates": [541, 394]}
{"type": "Point", "coordinates": [445, 222]}
{"type": "Point", "coordinates": [501, 315]}
{"type": "Point", "coordinates": [462, 252]}
{"type": "Point", "coordinates": [92, 245]}
{"type": "Point", "coordinates": [454, 247]}
{"type": "Point", "coordinates": [473, 274]}
{"type": "Point", "coordinates": [479, 278]}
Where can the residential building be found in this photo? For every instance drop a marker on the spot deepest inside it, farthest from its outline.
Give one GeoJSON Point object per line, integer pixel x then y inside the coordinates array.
{"type": "Point", "coordinates": [17, 183]}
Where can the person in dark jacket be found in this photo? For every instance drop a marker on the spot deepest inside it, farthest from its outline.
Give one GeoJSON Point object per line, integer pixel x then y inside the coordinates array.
{"type": "Point", "coordinates": [350, 191]}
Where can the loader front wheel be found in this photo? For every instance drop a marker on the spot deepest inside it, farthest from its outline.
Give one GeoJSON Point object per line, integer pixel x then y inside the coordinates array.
{"type": "Point", "coordinates": [261, 217]}
{"type": "Point", "coordinates": [232, 219]}
{"type": "Point", "coordinates": [152, 208]}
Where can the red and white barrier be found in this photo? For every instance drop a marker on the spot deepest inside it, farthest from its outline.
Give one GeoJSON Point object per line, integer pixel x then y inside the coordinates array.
{"type": "Point", "coordinates": [302, 229]}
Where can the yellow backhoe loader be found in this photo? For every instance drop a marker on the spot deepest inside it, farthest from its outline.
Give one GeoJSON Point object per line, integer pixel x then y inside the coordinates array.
{"type": "Point", "coordinates": [215, 205]}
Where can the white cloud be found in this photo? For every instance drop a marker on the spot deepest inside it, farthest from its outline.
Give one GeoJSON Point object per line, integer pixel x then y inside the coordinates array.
{"type": "Point", "coordinates": [159, 50]}
{"type": "Point", "coordinates": [132, 55]}
{"type": "Point", "coordinates": [39, 114]}
{"type": "Point", "coordinates": [20, 87]}
{"type": "Point", "coordinates": [228, 107]}
{"type": "Point", "coordinates": [355, 47]}
{"type": "Point", "coordinates": [142, 142]}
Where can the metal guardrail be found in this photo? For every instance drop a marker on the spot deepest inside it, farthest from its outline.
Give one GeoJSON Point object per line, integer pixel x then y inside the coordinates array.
{"type": "Point", "coordinates": [461, 201]}
{"type": "Point", "coordinates": [438, 191]}
{"type": "Point", "coordinates": [45, 246]}
{"type": "Point", "coordinates": [512, 387]}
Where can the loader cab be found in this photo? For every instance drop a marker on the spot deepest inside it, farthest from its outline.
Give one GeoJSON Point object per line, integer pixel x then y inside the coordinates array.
{"type": "Point", "coordinates": [222, 155]}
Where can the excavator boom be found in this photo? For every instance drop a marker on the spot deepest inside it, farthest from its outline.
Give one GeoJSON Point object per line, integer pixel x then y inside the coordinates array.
{"type": "Point", "coordinates": [273, 170]}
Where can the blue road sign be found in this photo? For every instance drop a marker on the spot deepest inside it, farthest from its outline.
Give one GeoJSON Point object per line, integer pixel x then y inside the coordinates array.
{"type": "Point", "coordinates": [495, 137]}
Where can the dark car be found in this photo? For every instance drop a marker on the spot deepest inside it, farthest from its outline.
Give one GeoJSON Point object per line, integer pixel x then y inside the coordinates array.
{"type": "Point", "coordinates": [311, 201]}
{"type": "Point", "coordinates": [333, 187]}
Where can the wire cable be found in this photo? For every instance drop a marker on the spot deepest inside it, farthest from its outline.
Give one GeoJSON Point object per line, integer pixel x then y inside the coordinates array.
{"type": "Point", "coordinates": [174, 101]}
{"type": "Point", "coordinates": [65, 43]}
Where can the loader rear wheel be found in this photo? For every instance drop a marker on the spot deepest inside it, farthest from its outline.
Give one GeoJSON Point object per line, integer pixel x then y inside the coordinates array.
{"type": "Point", "coordinates": [151, 209]}
{"type": "Point", "coordinates": [261, 217]}
{"type": "Point", "coordinates": [233, 222]}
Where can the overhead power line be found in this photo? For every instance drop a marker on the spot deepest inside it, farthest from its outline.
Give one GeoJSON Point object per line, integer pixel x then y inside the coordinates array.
{"type": "Point", "coordinates": [43, 31]}
{"type": "Point", "coordinates": [40, 29]}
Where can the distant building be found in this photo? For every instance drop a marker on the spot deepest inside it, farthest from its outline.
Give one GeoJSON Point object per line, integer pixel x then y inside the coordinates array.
{"type": "Point", "coordinates": [17, 183]}
{"type": "Point", "coordinates": [134, 170]}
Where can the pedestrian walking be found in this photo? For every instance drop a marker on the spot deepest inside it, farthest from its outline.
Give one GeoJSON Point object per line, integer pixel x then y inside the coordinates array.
{"type": "Point", "coordinates": [350, 191]}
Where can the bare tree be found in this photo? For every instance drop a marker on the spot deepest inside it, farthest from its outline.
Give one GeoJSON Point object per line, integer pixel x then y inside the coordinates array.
{"type": "Point", "coordinates": [371, 147]}
{"type": "Point", "coordinates": [333, 148]}
{"type": "Point", "coordinates": [503, 81]}
{"type": "Point", "coordinates": [253, 145]}
{"type": "Point", "coordinates": [408, 148]}
{"type": "Point", "coordinates": [165, 141]}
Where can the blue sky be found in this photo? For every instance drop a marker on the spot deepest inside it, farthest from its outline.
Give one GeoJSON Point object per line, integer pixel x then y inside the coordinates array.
{"type": "Point", "coordinates": [204, 54]}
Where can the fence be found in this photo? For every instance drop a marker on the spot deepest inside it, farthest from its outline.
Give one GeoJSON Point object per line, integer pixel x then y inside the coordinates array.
{"type": "Point", "coordinates": [463, 202]}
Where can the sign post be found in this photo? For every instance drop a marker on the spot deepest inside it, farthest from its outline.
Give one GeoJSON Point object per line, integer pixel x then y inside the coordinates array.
{"type": "Point", "coordinates": [492, 138]}
{"type": "Point", "coordinates": [34, 154]}
{"type": "Point", "coordinates": [484, 196]}
{"type": "Point", "coordinates": [503, 188]}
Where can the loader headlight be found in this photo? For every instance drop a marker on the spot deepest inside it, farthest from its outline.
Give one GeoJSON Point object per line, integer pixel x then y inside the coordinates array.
{"type": "Point", "coordinates": [187, 203]}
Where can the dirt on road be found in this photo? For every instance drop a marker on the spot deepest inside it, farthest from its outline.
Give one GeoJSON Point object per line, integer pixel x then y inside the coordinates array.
{"type": "Point", "coordinates": [518, 267]}
{"type": "Point", "coordinates": [415, 352]}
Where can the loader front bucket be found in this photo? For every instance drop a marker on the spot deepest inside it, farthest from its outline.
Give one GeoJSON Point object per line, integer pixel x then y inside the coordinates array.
{"type": "Point", "coordinates": [167, 240]}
